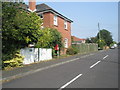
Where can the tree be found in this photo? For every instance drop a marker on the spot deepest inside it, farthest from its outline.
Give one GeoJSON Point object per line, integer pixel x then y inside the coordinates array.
{"type": "Point", "coordinates": [56, 38]}
{"type": "Point", "coordinates": [28, 27]}
{"type": "Point", "coordinates": [49, 38]}
{"type": "Point", "coordinates": [88, 40]}
{"type": "Point", "coordinates": [106, 36]}
{"type": "Point", "coordinates": [101, 43]}
{"type": "Point", "coordinates": [45, 39]}
{"type": "Point", "coordinates": [9, 11]}
{"type": "Point", "coordinates": [91, 40]}
{"type": "Point", "coordinates": [19, 28]}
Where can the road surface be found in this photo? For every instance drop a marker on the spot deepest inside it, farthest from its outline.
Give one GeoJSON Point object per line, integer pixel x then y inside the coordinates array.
{"type": "Point", "coordinates": [96, 70]}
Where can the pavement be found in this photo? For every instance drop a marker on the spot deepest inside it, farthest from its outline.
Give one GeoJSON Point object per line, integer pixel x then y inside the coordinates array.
{"type": "Point", "coordinates": [94, 70]}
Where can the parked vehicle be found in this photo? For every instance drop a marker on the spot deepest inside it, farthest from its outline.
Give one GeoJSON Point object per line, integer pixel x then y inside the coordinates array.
{"type": "Point", "coordinates": [112, 47]}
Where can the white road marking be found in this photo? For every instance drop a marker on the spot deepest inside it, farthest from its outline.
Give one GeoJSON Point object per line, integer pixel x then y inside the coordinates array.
{"type": "Point", "coordinates": [70, 82]}
{"type": "Point", "coordinates": [105, 57]}
{"type": "Point", "coordinates": [95, 64]}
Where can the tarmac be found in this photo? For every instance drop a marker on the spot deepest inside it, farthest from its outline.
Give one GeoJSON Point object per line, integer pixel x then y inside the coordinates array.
{"type": "Point", "coordinates": [8, 75]}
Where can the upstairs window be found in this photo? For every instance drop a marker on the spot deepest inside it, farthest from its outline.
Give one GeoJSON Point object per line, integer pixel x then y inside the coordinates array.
{"type": "Point", "coordinates": [65, 24]}
{"type": "Point", "coordinates": [55, 20]}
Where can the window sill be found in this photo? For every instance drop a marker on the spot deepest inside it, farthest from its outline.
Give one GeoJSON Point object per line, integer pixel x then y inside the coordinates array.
{"type": "Point", "coordinates": [56, 25]}
{"type": "Point", "coordinates": [66, 29]}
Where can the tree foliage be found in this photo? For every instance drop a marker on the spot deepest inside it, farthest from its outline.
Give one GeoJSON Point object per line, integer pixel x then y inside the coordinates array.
{"type": "Point", "coordinates": [72, 50]}
{"type": "Point", "coordinates": [49, 38]}
{"type": "Point", "coordinates": [28, 26]}
{"type": "Point", "coordinates": [103, 38]}
{"type": "Point", "coordinates": [44, 39]}
{"type": "Point", "coordinates": [19, 28]}
{"type": "Point", "coordinates": [101, 43]}
{"type": "Point", "coordinates": [106, 36]}
{"type": "Point", "coordinates": [56, 38]}
{"type": "Point", "coordinates": [91, 40]}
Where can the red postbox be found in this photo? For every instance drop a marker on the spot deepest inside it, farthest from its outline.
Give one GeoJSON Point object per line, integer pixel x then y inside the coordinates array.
{"type": "Point", "coordinates": [56, 47]}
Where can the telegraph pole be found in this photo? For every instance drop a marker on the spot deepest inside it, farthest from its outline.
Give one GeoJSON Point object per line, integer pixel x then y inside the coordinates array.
{"type": "Point", "coordinates": [99, 39]}
{"type": "Point", "coordinates": [99, 31]}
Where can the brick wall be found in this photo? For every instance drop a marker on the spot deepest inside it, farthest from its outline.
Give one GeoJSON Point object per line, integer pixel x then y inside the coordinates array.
{"type": "Point", "coordinates": [66, 33]}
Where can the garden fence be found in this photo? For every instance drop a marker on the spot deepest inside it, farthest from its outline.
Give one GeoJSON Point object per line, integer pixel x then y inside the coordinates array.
{"type": "Point", "coordinates": [86, 47]}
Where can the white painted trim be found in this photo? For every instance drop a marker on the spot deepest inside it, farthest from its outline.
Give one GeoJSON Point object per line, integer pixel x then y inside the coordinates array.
{"type": "Point", "coordinates": [31, 10]}
{"type": "Point", "coordinates": [55, 14]}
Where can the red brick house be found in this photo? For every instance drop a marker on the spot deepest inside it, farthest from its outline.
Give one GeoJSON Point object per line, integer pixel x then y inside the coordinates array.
{"type": "Point", "coordinates": [53, 19]}
{"type": "Point", "coordinates": [76, 40]}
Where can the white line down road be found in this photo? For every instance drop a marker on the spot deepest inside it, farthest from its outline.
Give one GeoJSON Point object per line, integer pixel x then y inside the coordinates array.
{"type": "Point", "coordinates": [70, 82]}
{"type": "Point", "coordinates": [105, 57]}
{"type": "Point", "coordinates": [95, 64]}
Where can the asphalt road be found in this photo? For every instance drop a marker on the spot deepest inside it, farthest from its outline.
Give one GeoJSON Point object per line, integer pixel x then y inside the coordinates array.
{"type": "Point", "coordinates": [96, 70]}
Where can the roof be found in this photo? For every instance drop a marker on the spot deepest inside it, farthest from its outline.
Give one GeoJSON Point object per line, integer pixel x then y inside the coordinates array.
{"type": "Point", "coordinates": [42, 7]}
{"type": "Point", "coordinates": [45, 8]}
{"type": "Point", "coordinates": [77, 39]}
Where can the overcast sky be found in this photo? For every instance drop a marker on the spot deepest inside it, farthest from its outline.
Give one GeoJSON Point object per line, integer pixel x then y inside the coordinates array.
{"type": "Point", "coordinates": [86, 15]}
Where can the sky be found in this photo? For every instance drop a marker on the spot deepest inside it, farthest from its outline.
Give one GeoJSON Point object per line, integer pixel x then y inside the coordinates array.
{"type": "Point", "coordinates": [86, 15]}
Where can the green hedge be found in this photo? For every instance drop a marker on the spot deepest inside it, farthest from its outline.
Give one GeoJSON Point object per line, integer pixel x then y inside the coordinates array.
{"type": "Point", "coordinates": [72, 50]}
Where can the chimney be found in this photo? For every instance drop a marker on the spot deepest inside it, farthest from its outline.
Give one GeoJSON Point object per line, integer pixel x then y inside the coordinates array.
{"type": "Point", "coordinates": [32, 5]}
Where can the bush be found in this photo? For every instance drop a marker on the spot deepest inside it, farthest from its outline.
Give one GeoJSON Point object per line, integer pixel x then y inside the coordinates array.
{"type": "Point", "coordinates": [101, 43]}
{"type": "Point", "coordinates": [72, 51]}
{"type": "Point", "coordinates": [15, 62]}
{"type": "Point", "coordinates": [49, 38]}
{"type": "Point", "coordinates": [18, 26]}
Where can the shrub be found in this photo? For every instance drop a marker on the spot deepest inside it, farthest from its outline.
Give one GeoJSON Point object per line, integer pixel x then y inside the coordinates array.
{"type": "Point", "coordinates": [53, 53]}
{"type": "Point", "coordinates": [72, 51]}
{"type": "Point", "coordinates": [101, 43]}
{"type": "Point", "coordinates": [18, 26]}
{"type": "Point", "coordinates": [49, 38]}
{"type": "Point", "coordinates": [15, 62]}
{"type": "Point", "coordinates": [76, 50]}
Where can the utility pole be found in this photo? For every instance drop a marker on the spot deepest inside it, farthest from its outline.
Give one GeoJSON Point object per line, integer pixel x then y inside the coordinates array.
{"type": "Point", "coordinates": [99, 31]}
{"type": "Point", "coordinates": [99, 39]}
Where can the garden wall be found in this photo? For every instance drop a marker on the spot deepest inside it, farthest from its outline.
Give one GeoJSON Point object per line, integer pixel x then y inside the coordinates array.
{"type": "Point", "coordinates": [32, 55]}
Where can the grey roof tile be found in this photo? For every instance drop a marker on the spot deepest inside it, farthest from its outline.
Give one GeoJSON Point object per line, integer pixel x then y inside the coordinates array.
{"type": "Point", "coordinates": [42, 7]}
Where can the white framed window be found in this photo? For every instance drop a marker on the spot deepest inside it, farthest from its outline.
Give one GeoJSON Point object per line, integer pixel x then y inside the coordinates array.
{"type": "Point", "coordinates": [66, 43]}
{"type": "Point", "coordinates": [65, 24]}
{"type": "Point", "coordinates": [55, 20]}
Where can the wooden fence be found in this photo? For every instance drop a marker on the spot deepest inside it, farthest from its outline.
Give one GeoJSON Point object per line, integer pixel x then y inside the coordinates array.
{"type": "Point", "coordinates": [86, 47]}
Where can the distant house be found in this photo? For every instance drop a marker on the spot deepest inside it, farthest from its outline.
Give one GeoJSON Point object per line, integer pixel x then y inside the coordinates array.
{"type": "Point", "coordinates": [53, 19]}
{"type": "Point", "coordinates": [76, 40]}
